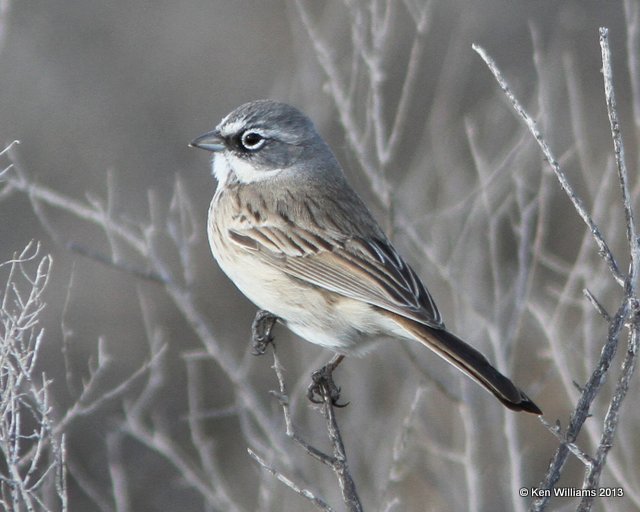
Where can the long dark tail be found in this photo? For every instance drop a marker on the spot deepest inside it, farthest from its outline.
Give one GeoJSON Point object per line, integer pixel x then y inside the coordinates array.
{"type": "Point", "coordinates": [473, 363]}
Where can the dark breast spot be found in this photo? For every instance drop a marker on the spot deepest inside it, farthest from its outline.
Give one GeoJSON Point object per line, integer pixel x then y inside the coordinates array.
{"type": "Point", "coordinates": [254, 212]}
{"type": "Point", "coordinates": [240, 217]}
{"type": "Point", "coordinates": [285, 217]}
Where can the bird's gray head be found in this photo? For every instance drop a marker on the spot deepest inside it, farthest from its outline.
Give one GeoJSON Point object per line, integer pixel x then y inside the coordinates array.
{"type": "Point", "coordinates": [261, 139]}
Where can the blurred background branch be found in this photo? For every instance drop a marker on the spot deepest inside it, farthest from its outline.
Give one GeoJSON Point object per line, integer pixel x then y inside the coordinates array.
{"type": "Point", "coordinates": [146, 351]}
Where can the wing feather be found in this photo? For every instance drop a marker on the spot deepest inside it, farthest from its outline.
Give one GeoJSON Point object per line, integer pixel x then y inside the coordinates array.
{"type": "Point", "coordinates": [367, 270]}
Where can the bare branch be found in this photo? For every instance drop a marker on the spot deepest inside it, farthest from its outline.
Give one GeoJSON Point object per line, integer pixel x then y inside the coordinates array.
{"type": "Point", "coordinates": [585, 458]}
{"type": "Point", "coordinates": [581, 412]}
{"type": "Point", "coordinates": [594, 465]}
{"type": "Point", "coordinates": [305, 493]}
{"type": "Point", "coordinates": [596, 304]}
{"type": "Point", "coordinates": [603, 248]}
{"type": "Point", "coordinates": [632, 15]}
{"type": "Point", "coordinates": [32, 452]}
{"type": "Point", "coordinates": [618, 151]}
{"type": "Point", "coordinates": [337, 462]}
{"type": "Point", "coordinates": [84, 407]}
{"type": "Point", "coordinates": [594, 470]}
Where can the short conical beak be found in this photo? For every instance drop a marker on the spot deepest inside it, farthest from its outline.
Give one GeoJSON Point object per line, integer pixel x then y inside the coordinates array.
{"type": "Point", "coordinates": [210, 141]}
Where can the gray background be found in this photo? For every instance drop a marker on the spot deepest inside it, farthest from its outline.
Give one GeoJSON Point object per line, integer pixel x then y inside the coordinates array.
{"type": "Point", "coordinates": [92, 87]}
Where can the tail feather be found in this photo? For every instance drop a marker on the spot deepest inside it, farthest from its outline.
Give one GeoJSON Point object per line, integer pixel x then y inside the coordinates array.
{"type": "Point", "coordinates": [473, 363]}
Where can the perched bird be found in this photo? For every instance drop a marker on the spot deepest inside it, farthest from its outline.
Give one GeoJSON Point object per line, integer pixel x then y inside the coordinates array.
{"type": "Point", "coordinates": [294, 237]}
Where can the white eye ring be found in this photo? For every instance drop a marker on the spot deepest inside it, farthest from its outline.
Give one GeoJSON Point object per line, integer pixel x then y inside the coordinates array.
{"type": "Point", "coordinates": [252, 140]}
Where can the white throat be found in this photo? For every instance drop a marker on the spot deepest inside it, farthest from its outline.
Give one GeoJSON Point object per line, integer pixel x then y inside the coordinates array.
{"type": "Point", "coordinates": [220, 168]}
{"type": "Point", "coordinates": [228, 166]}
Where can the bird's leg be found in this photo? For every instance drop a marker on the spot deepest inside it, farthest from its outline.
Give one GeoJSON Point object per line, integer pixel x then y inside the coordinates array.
{"type": "Point", "coordinates": [322, 384]}
{"type": "Point", "coordinates": [261, 331]}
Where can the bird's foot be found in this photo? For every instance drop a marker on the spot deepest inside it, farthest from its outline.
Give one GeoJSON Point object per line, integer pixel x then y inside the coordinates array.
{"type": "Point", "coordinates": [323, 387]}
{"type": "Point", "coordinates": [261, 331]}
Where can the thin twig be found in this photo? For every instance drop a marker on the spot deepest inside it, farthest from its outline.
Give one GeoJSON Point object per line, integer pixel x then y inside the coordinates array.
{"type": "Point", "coordinates": [591, 389]}
{"type": "Point", "coordinates": [581, 412]}
{"type": "Point", "coordinates": [337, 462]}
{"type": "Point", "coordinates": [584, 457]}
{"type": "Point", "coordinates": [305, 493]}
{"type": "Point", "coordinates": [596, 304]}
{"type": "Point", "coordinates": [84, 407]}
{"type": "Point", "coordinates": [46, 195]}
{"type": "Point", "coordinates": [147, 275]}
{"type": "Point", "coordinates": [603, 248]}
{"type": "Point", "coordinates": [33, 474]}
{"type": "Point", "coordinates": [618, 149]}
{"type": "Point", "coordinates": [632, 26]}
{"type": "Point", "coordinates": [594, 471]}
{"type": "Point", "coordinates": [340, 466]}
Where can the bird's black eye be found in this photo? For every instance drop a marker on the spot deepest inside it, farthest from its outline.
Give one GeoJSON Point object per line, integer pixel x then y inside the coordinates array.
{"type": "Point", "coordinates": [252, 140]}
